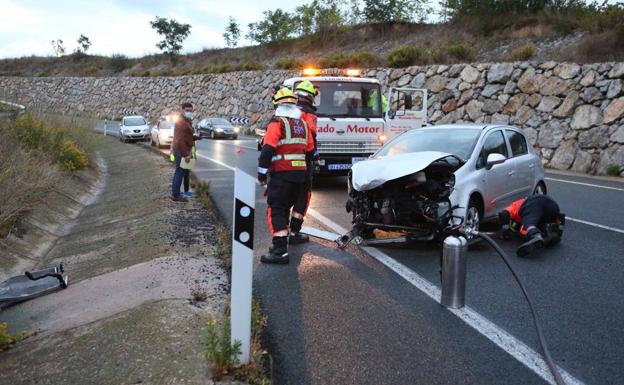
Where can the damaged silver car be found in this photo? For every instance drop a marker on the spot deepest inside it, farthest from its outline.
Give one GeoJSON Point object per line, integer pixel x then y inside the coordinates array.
{"type": "Point", "coordinates": [430, 182]}
{"type": "Point", "coordinates": [405, 197]}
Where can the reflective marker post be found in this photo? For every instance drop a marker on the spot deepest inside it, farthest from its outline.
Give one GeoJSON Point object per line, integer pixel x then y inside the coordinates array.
{"type": "Point", "coordinates": [242, 261]}
{"type": "Point", "coordinates": [105, 126]}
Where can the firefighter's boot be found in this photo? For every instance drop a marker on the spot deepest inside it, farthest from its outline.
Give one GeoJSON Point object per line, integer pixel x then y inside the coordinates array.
{"type": "Point", "coordinates": [535, 242]}
{"type": "Point", "coordinates": [278, 253]}
{"type": "Point", "coordinates": [296, 237]}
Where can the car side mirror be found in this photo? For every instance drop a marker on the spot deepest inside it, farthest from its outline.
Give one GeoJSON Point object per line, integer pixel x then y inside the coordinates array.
{"type": "Point", "coordinates": [494, 159]}
{"type": "Point", "coordinates": [408, 102]}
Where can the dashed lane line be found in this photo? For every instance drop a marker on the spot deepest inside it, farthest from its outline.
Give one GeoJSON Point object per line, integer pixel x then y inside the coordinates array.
{"type": "Point", "coordinates": [595, 224]}
{"type": "Point", "coordinates": [585, 184]}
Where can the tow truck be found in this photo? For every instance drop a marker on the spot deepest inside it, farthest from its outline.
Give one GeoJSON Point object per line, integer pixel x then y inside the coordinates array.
{"type": "Point", "coordinates": [354, 119]}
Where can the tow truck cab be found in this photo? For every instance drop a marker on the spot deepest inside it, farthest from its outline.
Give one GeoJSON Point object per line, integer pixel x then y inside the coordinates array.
{"type": "Point", "coordinates": [354, 120]}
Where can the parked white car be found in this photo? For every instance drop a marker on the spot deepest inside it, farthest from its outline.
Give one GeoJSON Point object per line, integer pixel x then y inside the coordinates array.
{"type": "Point", "coordinates": [162, 134]}
{"type": "Point", "coordinates": [427, 180]}
{"type": "Point", "coordinates": [133, 127]}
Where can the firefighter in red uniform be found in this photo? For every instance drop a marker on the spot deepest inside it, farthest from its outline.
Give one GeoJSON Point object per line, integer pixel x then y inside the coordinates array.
{"type": "Point", "coordinates": [305, 92]}
{"type": "Point", "coordinates": [286, 150]}
{"type": "Point", "coordinates": [537, 218]}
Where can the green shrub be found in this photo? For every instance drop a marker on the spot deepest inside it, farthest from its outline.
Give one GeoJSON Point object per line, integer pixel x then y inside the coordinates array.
{"type": "Point", "coordinates": [72, 157]}
{"type": "Point", "coordinates": [251, 67]}
{"type": "Point", "coordinates": [289, 63]}
{"type": "Point", "coordinates": [353, 59]}
{"type": "Point", "coordinates": [613, 170]}
{"type": "Point", "coordinates": [57, 141]}
{"type": "Point", "coordinates": [220, 353]}
{"type": "Point", "coordinates": [454, 53]}
{"type": "Point", "coordinates": [7, 339]}
{"type": "Point", "coordinates": [407, 56]}
{"type": "Point", "coordinates": [118, 63]}
{"type": "Point", "coordinates": [524, 52]}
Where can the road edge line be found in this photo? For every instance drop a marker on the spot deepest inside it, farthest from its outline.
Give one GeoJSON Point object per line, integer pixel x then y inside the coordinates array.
{"type": "Point", "coordinates": [500, 337]}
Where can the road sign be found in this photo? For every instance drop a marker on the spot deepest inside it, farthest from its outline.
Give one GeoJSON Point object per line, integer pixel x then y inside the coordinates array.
{"type": "Point", "coordinates": [239, 120]}
{"type": "Point", "coordinates": [242, 261]}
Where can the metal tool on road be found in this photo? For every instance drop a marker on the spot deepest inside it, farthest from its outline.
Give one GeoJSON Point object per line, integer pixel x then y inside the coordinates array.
{"type": "Point", "coordinates": [453, 273]}
{"type": "Point", "coordinates": [31, 285]}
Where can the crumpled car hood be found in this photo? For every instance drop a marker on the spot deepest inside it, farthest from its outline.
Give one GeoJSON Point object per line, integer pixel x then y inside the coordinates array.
{"type": "Point", "coordinates": [371, 173]}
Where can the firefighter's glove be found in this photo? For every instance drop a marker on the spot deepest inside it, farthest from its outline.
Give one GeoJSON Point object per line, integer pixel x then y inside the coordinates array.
{"type": "Point", "coordinates": [505, 232]}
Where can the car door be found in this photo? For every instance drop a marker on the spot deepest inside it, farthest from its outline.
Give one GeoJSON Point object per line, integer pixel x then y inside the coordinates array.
{"type": "Point", "coordinates": [523, 163]}
{"type": "Point", "coordinates": [407, 109]}
{"type": "Point", "coordinates": [497, 189]}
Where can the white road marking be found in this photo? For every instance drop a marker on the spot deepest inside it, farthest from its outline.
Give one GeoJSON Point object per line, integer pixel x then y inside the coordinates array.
{"type": "Point", "coordinates": [595, 224]}
{"type": "Point", "coordinates": [326, 235]}
{"type": "Point", "coordinates": [501, 338]}
{"type": "Point", "coordinates": [239, 145]}
{"type": "Point", "coordinates": [216, 161]}
{"type": "Point", "coordinates": [585, 184]}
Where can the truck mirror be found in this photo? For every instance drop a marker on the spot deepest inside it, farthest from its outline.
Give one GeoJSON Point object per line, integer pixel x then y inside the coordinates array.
{"type": "Point", "coordinates": [408, 102]}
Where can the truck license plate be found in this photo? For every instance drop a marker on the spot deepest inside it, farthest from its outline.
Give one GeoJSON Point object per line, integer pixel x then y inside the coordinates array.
{"type": "Point", "coordinates": [343, 166]}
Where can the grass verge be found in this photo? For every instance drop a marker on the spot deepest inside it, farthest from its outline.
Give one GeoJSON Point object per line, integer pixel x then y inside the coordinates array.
{"type": "Point", "coordinates": [36, 154]}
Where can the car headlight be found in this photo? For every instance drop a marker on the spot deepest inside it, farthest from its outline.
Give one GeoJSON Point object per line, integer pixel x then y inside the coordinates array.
{"type": "Point", "coordinates": [236, 129]}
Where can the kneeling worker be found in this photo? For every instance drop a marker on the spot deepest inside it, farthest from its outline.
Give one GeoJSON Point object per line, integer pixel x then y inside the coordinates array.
{"type": "Point", "coordinates": [537, 218]}
{"type": "Point", "coordinates": [283, 161]}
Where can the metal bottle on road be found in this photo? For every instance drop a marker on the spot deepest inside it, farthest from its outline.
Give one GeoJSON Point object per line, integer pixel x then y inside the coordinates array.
{"type": "Point", "coordinates": [454, 272]}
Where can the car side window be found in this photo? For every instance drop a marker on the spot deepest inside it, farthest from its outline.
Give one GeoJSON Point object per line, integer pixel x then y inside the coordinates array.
{"type": "Point", "coordinates": [494, 144]}
{"type": "Point", "coordinates": [517, 142]}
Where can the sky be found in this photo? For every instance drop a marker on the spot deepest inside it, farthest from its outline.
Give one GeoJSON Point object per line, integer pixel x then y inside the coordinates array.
{"type": "Point", "coordinates": [116, 26]}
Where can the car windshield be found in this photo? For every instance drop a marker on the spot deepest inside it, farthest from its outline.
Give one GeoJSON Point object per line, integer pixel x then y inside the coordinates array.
{"type": "Point", "coordinates": [138, 121]}
{"type": "Point", "coordinates": [221, 122]}
{"type": "Point", "coordinates": [460, 142]}
{"type": "Point", "coordinates": [347, 99]}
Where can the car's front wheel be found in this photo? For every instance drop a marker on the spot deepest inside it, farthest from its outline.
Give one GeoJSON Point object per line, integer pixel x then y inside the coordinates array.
{"type": "Point", "coordinates": [472, 219]}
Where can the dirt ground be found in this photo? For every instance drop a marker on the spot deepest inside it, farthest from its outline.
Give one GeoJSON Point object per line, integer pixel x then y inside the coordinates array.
{"type": "Point", "coordinates": [132, 256]}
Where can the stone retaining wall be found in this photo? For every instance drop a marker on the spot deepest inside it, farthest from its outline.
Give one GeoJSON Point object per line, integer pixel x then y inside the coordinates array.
{"type": "Point", "coordinates": [573, 114]}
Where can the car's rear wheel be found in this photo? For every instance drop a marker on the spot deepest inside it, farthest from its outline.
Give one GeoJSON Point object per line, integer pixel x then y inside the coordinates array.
{"type": "Point", "coordinates": [540, 189]}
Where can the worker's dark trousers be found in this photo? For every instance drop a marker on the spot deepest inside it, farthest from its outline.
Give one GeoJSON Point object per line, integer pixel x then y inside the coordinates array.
{"type": "Point", "coordinates": [538, 209]}
{"type": "Point", "coordinates": [302, 203]}
{"type": "Point", "coordinates": [281, 196]}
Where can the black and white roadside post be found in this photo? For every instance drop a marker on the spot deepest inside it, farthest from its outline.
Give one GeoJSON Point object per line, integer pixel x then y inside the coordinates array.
{"type": "Point", "coordinates": [242, 261]}
{"type": "Point", "coordinates": [105, 126]}
{"type": "Point", "coordinates": [453, 276]}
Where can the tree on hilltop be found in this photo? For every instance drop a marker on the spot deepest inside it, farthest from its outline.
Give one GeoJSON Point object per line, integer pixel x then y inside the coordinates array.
{"type": "Point", "coordinates": [232, 33]}
{"type": "Point", "coordinates": [58, 47]}
{"type": "Point", "coordinates": [83, 44]}
{"type": "Point", "coordinates": [173, 32]}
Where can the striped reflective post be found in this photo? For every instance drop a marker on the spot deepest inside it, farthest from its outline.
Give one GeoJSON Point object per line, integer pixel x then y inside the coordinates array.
{"type": "Point", "coordinates": [242, 261]}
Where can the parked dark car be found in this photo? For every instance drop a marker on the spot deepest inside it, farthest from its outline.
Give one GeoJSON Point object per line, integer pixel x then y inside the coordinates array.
{"type": "Point", "coordinates": [215, 128]}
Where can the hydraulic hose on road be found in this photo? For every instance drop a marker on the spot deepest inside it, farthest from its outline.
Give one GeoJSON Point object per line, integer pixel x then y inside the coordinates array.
{"type": "Point", "coordinates": [538, 328]}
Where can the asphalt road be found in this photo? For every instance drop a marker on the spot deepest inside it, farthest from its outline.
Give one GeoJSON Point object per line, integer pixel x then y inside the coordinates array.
{"type": "Point", "coordinates": [371, 317]}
